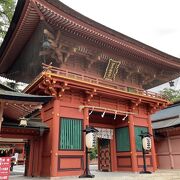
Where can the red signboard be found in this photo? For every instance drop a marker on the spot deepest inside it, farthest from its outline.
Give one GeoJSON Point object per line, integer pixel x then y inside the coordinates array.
{"type": "Point", "coordinates": [5, 163]}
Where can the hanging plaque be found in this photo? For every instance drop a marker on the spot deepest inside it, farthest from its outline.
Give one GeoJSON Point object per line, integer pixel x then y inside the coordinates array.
{"type": "Point", "coordinates": [104, 133]}
{"type": "Point", "coordinates": [111, 69]}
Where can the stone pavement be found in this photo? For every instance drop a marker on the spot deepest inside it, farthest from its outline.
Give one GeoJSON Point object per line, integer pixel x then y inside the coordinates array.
{"type": "Point", "coordinates": [158, 175]}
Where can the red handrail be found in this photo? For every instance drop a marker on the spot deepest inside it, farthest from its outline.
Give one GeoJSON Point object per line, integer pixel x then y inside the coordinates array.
{"type": "Point", "coordinates": [98, 81]}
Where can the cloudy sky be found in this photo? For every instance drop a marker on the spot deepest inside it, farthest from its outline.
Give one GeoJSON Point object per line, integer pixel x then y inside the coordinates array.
{"type": "Point", "coordinates": [153, 22]}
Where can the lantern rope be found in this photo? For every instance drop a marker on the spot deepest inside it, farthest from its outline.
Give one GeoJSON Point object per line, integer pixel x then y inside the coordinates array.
{"type": "Point", "coordinates": [81, 107]}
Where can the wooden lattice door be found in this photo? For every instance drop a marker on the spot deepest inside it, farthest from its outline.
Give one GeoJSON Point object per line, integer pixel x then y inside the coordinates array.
{"type": "Point", "coordinates": [104, 155]}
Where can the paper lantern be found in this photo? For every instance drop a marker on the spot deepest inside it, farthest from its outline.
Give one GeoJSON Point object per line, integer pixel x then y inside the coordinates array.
{"type": "Point", "coordinates": [89, 140]}
{"type": "Point", "coordinates": [146, 141]}
{"type": "Point", "coordinates": [23, 122]}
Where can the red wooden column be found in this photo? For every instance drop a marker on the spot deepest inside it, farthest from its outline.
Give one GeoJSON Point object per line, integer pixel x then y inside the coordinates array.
{"type": "Point", "coordinates": [113, 152]}
{"type": "Point", "coordinates": [55, 137]}
{"type": "Point", "coordinates": [86, 122]}
{"type": "Point", "coordinates": [40, 143]}
{"type": "Point", "coordinates": [153, 152]}
{"type": "Point", "coordinates": [133, 144]}
{"type": "Point", "coordinates": [86, 117]}
{"type": "Point", "coordinates": [30, 161]}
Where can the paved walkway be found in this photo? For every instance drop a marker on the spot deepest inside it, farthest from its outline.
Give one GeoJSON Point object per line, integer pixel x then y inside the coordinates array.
{"type": "Point", "coordinates": [158, 175]}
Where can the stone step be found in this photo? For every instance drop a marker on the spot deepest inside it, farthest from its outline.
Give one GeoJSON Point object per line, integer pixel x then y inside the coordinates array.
{"type": "Point", "coordinates": [130, 176]}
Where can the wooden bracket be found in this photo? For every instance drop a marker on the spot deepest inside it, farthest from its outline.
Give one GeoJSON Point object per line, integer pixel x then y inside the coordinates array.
{"type": "Point", "coordinates": [48, 86]}
{"type": "Point", "coordinates": [153, 107]}
{"type": "Point", "coordinates": [62, 89]}
{"type": "Point", "coordinates": [90, 95]}
{"type": "Point", "coordinates": [135, 104]}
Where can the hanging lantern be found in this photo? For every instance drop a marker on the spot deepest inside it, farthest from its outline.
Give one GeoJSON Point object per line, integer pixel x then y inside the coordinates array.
{"type": "Point", "coordinates": [171, 83]}
{"type": "Point", "coordinates": [89, 140]}
{"type": "Point", "coordinates": [23, 122]}
{"type": "Point", "coordinates": [146, 142]}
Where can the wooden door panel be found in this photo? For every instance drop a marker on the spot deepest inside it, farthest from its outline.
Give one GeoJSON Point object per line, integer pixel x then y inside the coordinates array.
{"type": "Point", "coordinates": [104, 155]}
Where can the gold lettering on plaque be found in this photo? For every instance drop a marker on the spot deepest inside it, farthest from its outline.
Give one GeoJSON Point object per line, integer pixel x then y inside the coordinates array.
{"type": "Point", "coordinates": [111, 69]}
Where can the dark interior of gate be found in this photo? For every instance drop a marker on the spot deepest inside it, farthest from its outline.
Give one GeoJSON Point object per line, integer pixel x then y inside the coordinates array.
{"type": "Point", "coordinates": [113, 143]}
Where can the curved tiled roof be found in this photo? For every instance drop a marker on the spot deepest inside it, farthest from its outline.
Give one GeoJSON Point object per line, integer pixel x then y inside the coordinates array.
{"type": "Point", "coordinates": [106, 29]}
{"type": "Point", "coordinates": [28, 13]}
{"type": "Point", "coordinates": [18, 96]}
{"type": "Point", "coordinates": [167, 117]}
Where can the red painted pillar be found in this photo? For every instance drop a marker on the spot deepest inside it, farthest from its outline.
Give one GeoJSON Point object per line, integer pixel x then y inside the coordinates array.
{"type": "Point", "coordinates": [31, 159]}
{"type": "Point", "coordinates": [113, 152]}
{"type": "Point", "coordinates": [55, 137]}
{"type": "Point", "coordinates": [86, 117]}
{"type": "Point", "coordinates": [132, 144]}
{"type": "Point", "coordinates": [153, 152]}
{"type": "Point", "coordinates": [40, 145]}
{"type": "Point", "coordinates": [86, 122]}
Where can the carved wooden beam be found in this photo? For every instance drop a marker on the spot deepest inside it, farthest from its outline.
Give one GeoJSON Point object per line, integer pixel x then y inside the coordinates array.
{"type": "Point", "coordinates": [92, 57]}
{"type": "Point", "coordinates": [57, 50]}
{"type": "Point", "coordinates": [50, 36]}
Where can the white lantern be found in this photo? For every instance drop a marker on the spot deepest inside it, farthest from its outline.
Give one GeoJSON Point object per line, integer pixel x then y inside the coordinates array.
{"type": "Point", "coordinates": [89, 140]}
{"type": "Point", "coordinates": [146, 142]}
{"type": "Point", "coordinates": [23, 122]}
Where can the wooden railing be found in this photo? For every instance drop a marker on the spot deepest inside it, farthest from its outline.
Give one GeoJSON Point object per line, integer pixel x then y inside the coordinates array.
{"type": "Point", "coordinates": [98, 81]}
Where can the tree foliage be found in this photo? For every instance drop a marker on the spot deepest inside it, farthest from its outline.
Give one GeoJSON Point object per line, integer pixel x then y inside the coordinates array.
{"type": "Point", "coordinates": [6, 12]}
{"type": "Point", "coordinates": [93, 153]}
{"type": "Point", "coordinates": [171, 94]}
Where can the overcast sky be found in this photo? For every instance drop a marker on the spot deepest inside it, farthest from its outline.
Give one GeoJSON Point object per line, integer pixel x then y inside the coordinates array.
{"type": "Point", "coordinates": [153, 22]}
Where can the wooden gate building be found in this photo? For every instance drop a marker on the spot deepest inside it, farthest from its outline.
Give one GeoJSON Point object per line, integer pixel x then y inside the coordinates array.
{"type": "Point", "coordinates": [97, 77]}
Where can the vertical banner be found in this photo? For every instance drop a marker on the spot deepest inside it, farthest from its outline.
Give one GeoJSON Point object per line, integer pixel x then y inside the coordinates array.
{"type": "Point", "coordinates": [5, 163]}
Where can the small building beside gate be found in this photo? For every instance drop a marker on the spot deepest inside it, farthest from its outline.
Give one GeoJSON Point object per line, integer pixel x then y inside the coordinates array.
{"type": "Point", "coordinates": [166, 126]}
{"type": "Point", "coordinates": [96, 76]}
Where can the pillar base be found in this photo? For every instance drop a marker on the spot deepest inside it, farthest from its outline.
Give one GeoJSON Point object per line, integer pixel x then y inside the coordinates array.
{"type": "Point", "coordinates": [145, 172]}
{"type": "Point", "coordinates": [88, 175]}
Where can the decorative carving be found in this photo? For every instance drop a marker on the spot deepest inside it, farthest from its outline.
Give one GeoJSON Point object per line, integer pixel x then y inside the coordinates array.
{"type": "Point", "coordinates": [135, 104]}
{"type": "Point", "coordinates": [90, 95]}
{"type": "Point", "coordinates": [153, 107]}
{"type": "Point", "coordinates": [64, 86]}
{"type": "Point", "coordinates": [55, 48]}
{"type": "Point", "coordinates": [50, 85]}
{"type": "Point", "coordinates": [90, 55]}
